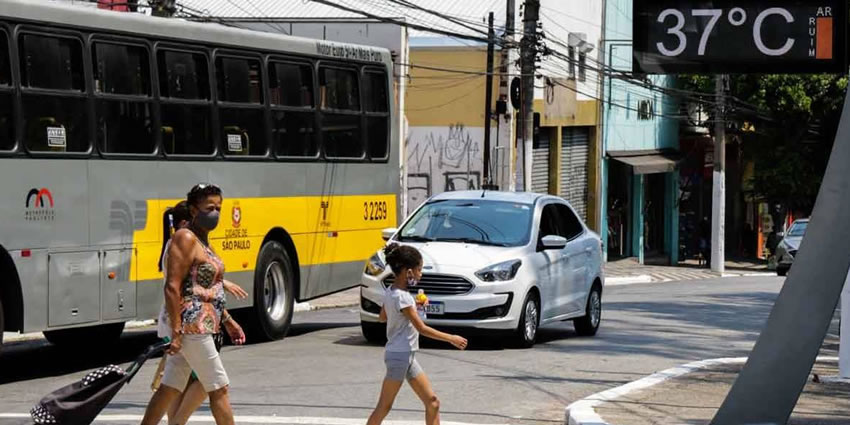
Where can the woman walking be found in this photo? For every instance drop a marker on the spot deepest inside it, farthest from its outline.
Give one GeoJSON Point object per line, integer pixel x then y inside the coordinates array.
{"type": "Point", "coordinates": [176, 218]}
{"type": "Point", "coordinates": [194, 300]}
{"type": "Point", "coordinates": [403, 328]}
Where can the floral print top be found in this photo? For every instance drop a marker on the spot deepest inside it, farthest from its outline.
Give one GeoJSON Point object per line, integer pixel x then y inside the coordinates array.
{"type": "Point", "coordinates": [203, 295]}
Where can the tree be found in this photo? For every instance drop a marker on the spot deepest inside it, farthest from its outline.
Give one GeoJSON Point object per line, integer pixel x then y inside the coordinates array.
{"type": "Point", "coordinates": [793, 121]}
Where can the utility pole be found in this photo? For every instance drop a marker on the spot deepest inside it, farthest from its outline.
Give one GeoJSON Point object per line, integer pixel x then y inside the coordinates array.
{"type": "Point", "coordinates": [528, 55]}
{"type": "Point", "coordinates": [718, 201]}
{"type": "Point", "coordinates": [505, 143]}
{"type": "Point", "coordinates": [488, 102]}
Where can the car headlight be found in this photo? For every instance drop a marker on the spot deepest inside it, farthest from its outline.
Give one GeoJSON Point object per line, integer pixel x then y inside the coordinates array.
{"type": "Point", "coordinates": [375, 265]}
{"type": "Point", "coordinates": [499, 272]}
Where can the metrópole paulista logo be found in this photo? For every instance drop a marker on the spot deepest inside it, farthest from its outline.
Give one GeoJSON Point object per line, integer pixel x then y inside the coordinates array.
{"type": "Point", "coordinates": [39, 205]}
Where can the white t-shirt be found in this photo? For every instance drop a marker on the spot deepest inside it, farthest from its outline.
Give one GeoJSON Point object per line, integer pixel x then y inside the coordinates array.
{"type": "Point", "coordinates": [401, 335]}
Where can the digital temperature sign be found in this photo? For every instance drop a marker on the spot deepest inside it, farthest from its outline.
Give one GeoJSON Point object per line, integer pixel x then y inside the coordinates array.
{"type": "Point", "coordinates": [740, 36]}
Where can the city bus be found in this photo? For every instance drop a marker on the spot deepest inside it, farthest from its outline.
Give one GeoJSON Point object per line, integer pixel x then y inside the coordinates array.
{"type": "Point", "coordinates": [109, 118]}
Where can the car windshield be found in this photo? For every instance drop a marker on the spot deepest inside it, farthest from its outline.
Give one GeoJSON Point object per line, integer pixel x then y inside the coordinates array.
{"type": "Point", "coordinates": [798, 229]}
{"type": "Point", "coordinates": [471, 221]}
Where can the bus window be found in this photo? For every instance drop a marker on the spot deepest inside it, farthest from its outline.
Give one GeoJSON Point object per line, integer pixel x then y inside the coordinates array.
{"type": "Point", "coordinates": [54, 121]}
{"type": "Point", "coordinates": [7, 120]}
{"type": "Point", "coordinates": [376, 105]}
{"type": "Point", "coordinates": [238, 80]}
{"type": "Point", "coordinates": [241, 114]}
{"type": "Point", "coordinates": [291, 84]}
{"type": "Point", "coordinates": [377, 131]}
{"type": "Point", "coordinates": [121, 69]}
{"type": "Point", "coordinates": [294, 135]}
{"type": "Point", "coordinates": [185, 108]}
{"type": "Point", "coordinates": [339, 89]}
{"type": "Point", "coordinates": [49, 62]}
{"type": "Point", "coordinates": [5, 64]}
{"type": "Point", "coordinates": [375, 97]}
{"type": "Point", "coordinates": [339, 94]}
{"type": "Point", "coordinates": [122, 81]}
{"type": "Point", "coordinates": [341, 135]}
{"type": "Point", "coordinates": [293, 119]}
{"type": "Point", "coordinates": [183, 75]}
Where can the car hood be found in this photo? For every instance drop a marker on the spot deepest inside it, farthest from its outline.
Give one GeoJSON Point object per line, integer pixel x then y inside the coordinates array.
{"type": "Point", "coordinates": [793, 242]}
{"type": "Point", "coordinates": [442, 257]}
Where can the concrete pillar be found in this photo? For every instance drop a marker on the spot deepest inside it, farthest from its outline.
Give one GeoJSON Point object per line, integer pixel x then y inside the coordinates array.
{"type": "Point", "coordinates": [637, 216]}
{"type": "Point", "coordinates": [603, 210]}
{"type": "Point", "coordinates": [672, 207]}
{"type": "Point", "coordinates": [555, 160]}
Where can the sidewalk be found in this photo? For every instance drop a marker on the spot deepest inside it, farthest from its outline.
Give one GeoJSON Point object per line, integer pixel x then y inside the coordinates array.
{"type": "Point", "coordinates": [694, 398]}
{"type": "Point", "coordinates": [347, 298]}
{"type": "Point", "coordinates": [627, 270]}
{"type": "Point", "coordinates": [691, 394]}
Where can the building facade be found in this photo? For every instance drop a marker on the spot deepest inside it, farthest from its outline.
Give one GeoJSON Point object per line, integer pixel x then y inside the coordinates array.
{"type": "Point", "coordinates": [640, 198]}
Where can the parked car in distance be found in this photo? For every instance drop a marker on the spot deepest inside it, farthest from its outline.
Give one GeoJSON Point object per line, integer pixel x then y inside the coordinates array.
{"type": "Point", "coordinates": [787, 248]}
{"type": "Point", "coordinates": [498, 262]}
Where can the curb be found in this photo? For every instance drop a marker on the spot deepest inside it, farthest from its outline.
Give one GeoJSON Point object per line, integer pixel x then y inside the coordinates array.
{"type": "Point", "coordinates": [644, 278]}
{"type": "Point", "coordinates": [582, 412]}
{"type": "Point", "coordinates": [627, 280]}
{"type": "Point", "coordinates": [299, 307]}
{"type": "Point", "coordinates": [306, 306]}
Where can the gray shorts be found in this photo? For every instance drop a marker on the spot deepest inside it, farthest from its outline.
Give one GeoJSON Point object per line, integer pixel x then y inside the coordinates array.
{"type": "Point", "coordinates": [199, 355]}
{"type": "Point", "coordinates": [401, 365]}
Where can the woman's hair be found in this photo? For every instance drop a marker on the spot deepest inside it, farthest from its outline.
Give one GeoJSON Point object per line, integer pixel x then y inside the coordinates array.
{"type": "Point", "coordinates": [401, 257]}
{"type": "Point", "coordinates": [200, 192]}
{"type": "Point", "coordinates": [172, 217]}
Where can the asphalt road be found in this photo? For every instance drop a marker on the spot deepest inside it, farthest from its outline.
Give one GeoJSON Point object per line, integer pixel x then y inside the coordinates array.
{"type": "Point", "coordinates": [325, 369]}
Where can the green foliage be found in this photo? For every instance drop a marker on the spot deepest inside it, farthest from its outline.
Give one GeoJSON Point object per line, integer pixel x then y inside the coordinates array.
{"type": "Point", "coordinates": [795, 118]}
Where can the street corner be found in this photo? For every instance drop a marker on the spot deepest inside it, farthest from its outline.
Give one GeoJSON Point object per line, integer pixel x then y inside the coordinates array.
{"type": "Point", "coordinates": [692, 393]}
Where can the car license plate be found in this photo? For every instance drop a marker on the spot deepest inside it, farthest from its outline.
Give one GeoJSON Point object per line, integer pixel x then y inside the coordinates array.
{"type": "Point", "coordinates": [435, 307]}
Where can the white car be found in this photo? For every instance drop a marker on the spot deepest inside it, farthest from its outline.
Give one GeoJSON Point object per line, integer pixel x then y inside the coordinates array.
{"type": "Point", "coordinates": [495, 261]}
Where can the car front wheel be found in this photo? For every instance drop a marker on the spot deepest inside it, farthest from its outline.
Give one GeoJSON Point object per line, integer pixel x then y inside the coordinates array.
{"type": "Point", "coordinates": [589, 323]}
{"type": "Point", "coordinates": [529, 321]}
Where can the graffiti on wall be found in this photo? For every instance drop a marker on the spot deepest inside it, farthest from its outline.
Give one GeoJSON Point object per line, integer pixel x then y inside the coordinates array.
{"type": "Point", "coordinates": [443, 159]}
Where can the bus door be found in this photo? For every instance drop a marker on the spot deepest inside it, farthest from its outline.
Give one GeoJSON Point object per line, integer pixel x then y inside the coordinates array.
{"type": "Point", "coordinates": [323, 221]}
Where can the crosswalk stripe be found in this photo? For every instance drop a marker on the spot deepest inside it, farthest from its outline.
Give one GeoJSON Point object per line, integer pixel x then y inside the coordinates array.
{"type": "Point", "coordinates": [292, 420]}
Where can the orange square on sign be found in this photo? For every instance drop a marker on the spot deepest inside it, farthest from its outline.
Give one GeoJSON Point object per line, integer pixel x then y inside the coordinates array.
{"type": "Point", "coordinates": [824, 46]}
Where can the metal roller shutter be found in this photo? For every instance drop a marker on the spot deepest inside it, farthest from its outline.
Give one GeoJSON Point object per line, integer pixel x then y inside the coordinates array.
{"type": "Point", "coordinates": [540, 166]}
{"type": "Point", "coordinates": [574, 153]}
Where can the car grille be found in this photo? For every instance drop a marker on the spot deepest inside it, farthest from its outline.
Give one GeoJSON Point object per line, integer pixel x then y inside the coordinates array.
{"type": "Point", "coordinates": [438, 284]}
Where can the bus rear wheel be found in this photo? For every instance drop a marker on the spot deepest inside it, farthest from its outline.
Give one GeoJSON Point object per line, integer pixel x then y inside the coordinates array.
{"type": "Point", "coordinates": [274, 293]}
{"type": "Point", "coordinates": [100, 334]}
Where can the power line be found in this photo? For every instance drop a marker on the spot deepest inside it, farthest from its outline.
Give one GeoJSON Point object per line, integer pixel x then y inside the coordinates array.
{"type": "Point", "coordinates": [401, 23]}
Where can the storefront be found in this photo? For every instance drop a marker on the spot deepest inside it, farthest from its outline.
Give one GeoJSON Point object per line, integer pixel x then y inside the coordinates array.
{"type": "Point", "coordinates": [642, 205]}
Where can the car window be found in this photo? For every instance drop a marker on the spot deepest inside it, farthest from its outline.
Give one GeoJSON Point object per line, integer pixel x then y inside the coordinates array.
{"type": "Point", "coordinates": [474, 221]}
{"type": "Point", "coordinates": [549, 222]}
{"type": "Point", "coordinates": [570, 226]}
{"type": "Point", "coordinates": [798, 229]}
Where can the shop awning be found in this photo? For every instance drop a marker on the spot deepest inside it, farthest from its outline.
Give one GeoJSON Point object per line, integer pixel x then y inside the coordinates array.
{"type": "Point", "coordinates": [648, 162]}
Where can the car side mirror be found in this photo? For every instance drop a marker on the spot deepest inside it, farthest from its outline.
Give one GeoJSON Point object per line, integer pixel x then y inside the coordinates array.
{"type": "Point", "coordinates": [387, 234]}
{"type": "Point", "coordinates": [554, 242]}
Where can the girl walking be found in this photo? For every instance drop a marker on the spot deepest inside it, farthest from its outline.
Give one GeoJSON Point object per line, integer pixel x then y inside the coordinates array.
{"type": "Point", "coordinates": [403, 328]}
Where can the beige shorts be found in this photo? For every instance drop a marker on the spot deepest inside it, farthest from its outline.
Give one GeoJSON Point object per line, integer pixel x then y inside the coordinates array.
{"type": "Point", "coordinates": [198, 353]}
